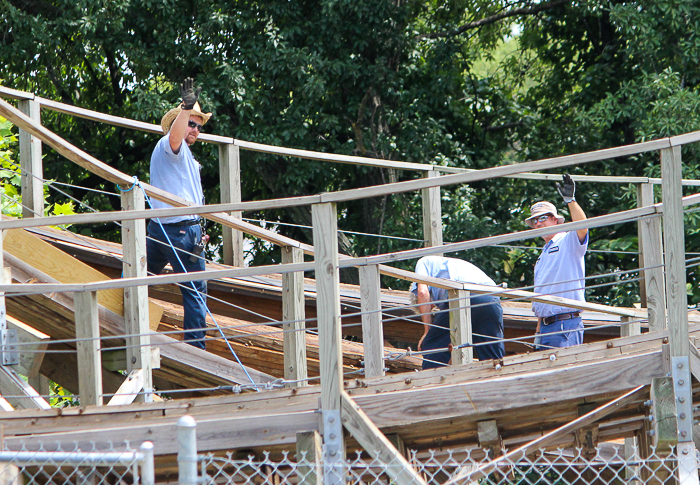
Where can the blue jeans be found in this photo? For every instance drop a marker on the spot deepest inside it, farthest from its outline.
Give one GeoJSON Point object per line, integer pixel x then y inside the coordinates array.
{"type": "Point", "coordinates": [574, 335]}
{"type": "Point", "coordinates": [183, 238]}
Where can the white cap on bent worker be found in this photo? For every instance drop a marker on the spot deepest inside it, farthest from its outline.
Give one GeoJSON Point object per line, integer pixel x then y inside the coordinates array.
{"type": "Point", "coordinates": [541, 208]}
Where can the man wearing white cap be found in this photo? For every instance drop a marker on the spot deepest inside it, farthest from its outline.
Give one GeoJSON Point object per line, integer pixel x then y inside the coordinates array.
{"type": "Point", "coordinates": [174, 169]}
{"type": "Point", "coordinates": [560, 270]}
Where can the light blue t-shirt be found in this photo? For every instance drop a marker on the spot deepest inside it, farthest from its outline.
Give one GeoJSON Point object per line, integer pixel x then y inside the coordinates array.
{"type": "Point", "coordinates": [560, 271]}
{"type": "Point", "coordinates": [177, 174]}
{"type": "Point", "coordinates": [449, 269]}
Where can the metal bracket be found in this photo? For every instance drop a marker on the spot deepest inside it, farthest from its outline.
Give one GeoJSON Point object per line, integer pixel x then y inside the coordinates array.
{"type": "Point", "coordinates": [333, 459]}
{"type": "Point", "coordinates": [8, 342]}
{"type": "Point", "coordinates": [680, 372]}
{"type": "Point", "coordinates": [687, 464]}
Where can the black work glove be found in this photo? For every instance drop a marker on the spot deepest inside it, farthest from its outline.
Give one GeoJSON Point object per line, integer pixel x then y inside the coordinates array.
{"type": "Point", "coordinates": [567, 188]}
{"type": "Point", "coordinates": [189, 94]}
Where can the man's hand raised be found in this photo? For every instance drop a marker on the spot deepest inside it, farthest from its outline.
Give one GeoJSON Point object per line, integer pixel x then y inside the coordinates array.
{"type": "Point", "coordinates": [189, 94]}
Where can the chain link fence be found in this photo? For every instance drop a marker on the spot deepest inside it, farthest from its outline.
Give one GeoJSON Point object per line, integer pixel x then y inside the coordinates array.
{"type": "Point", "coordinates": [78, 467]}
{"type": "Point", "coordinates": [557, 467]}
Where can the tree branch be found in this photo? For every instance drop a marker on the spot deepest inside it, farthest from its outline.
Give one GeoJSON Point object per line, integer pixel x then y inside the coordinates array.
{"type": "Point", "coordinates": [493, 19]}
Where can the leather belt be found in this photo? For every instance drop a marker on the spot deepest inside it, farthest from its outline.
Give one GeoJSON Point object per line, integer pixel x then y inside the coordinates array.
{"type": "Point", "coordinates": [561, 316]}
{"type": "Point", "coordinates": [188, 222]}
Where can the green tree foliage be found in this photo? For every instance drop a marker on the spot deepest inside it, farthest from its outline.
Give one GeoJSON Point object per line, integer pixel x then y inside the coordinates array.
{"type": "Point", "coordinates": [449, 82]}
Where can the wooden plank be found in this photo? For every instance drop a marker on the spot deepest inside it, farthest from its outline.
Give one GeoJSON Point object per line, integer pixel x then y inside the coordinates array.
{"type": "Point", "coordinates": [129, 390]}
{"type": "Point", "coordinates": [31, 344]}
{"type": "Point", "coordinates": [87, 331]}
{"type": "Point", "coordinates": [30, 161]}
{"type": "Point", "coordinates": [135, 298]}
{"type": "Point", "coordinates": [325, 234]}
{"type": "Point", "coordinates": [376, 444]}
{"type": "Point", "coordinates": [460, 326]}
{"type": "Point", "coordinates": [663, 410]}
{"type": "Point", "coordinates": [479, 397]}
{"type": "Point", "coordinates": [66, 269]}
{"type": "Point", "coordinates": [294, 314]}
{"type": "Point", "coordinates": [372, 330]}
{"type": "Point", "coordinates": [309, 456]}
{"type": "Point", "coordinates": [432, 213]}
{"type": "Point", "coordinates": [651, 258]}
{"type": "Point", "coordinates": [674, 245]}
{"type": "Point", "coordinates": [18, 393]}
{"type": "Point", "coordinates": [694, 362]}
{"type": "Point", "coordinates": [230, 191]}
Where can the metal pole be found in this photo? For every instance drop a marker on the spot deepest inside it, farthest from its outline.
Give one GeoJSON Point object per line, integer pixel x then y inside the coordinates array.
{"type": "Point", "coordinates": [187, 450]}
{"type": "Point", "coordinates": [148, 470]}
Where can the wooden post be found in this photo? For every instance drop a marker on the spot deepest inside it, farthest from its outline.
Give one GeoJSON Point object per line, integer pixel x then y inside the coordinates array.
{"type": "Point", "coordinates": [87, 331]}
{"type": "Point", "coordinates": [432, 214]}
{"type": "Point", "coordinates": [294, 313]}
{"type": "Point", "coordinates": [372, 329]}
{"type": "Point", "coordinates": [628, 330]}
{"type": "Point", "coordinates": [489, 438]}
{"type": "Point", "coordinates": [674, 243]}
{"type": "Point", "coordinates": [651, 257]}
{"type": "Point", "coordinates": [136, 318]}
{"type": "Point", "coordinates": [230, 190]}
{"type": "Point", "coordinates": [460, 326]}
{"type": "Point", "coordinates": [31, 163]}
{"type": "Point", "coordinates": [310, 447]}
{"type": "Point", "coordinates": [325, 234]}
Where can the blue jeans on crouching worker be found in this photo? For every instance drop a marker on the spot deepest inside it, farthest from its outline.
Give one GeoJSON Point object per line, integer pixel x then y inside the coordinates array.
{"type": "Point", "coordinates": [184, 238]}
{"type": "Point", "coordinates": [572, 333]}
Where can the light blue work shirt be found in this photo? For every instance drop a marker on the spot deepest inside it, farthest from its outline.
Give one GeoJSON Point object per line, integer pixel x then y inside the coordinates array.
{"type": "Point", "coordinates": [449, 269]}
{"type": "Point", "coordinates": [560, 271]}
{"type": "Point", "coordinates": [177, 173]}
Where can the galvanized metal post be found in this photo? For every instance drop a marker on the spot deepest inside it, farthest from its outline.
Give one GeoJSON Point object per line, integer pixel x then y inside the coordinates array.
{"type": "Point", "coordinates": [187, 450]}
{"type": "Point", "coordinates": [148, 469]}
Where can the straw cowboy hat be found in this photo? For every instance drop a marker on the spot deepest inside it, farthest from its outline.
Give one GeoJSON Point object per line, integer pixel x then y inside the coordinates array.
{"type": "Point", "coordinates": [167, 121]}
{"type": "Point", "coordinates": [541, 208]}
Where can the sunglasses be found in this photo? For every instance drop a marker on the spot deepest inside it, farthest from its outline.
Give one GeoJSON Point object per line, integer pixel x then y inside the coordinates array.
{"type": "Point", "coordinates": [192, 124]}
{"type": "Point", "coordinates": [540, 219]}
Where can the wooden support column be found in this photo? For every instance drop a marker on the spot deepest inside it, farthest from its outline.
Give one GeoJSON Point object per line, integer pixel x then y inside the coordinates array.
{"type": "Point", "coordinates": [489, 438]}
{"type": "Point", "coordinates": [87, 331]}
{"type": "Point", "coordinates": [31, 163]}
{"type": "Point", "coordinates": [136, 317]}
{"type": "Point", "coordinates": [309, 456]}
{"type": "Point", "coordinates": [674, 244]}
{"type": "Point", "coordinates": [628, 329]}
{"type": "Point", "coordinates": [230, 190]}
{"type": "Point", "coordinates": [432, 213]}
{"type": "Point", "coordinates": [651, 257]}
{"type": "Point", "coordinates": [460, 326]}
{"type": "Point", "coordinates": [372, 329]}
{"type": "Point", "coordinates": [294, 313]}
{"type": "Point", "coordinates": [586, 437]}
{"type": "Point", "coordinates": [325, 234]}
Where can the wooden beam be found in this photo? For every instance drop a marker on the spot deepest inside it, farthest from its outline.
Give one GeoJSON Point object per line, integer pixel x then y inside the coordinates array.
{"type": "Point", "coordinates": [674, 244]}
{"type": "Point", "coordinates": [372, 329]}
{"type": "Point", "coordinates": [87, 331]}
{"type": "Point", "coordinates": [64, 268]}
{"type": "Point", "coordinates": [294, 314]}
{"type": "Point", "coordinates": [460, 326]}
{"type": "Point", "coordinates": [31, 345]}
{"type": "Point", "coordinates": [489, 437]}
{"type": "Point", "coordinates": [651, 259]}
{"type": "Point", "coordinates": [376, 444]}
{"type": "Point", "coordinates": [129, 390]}
{"type": "Point", "coordinates": [663, 411]}
{"type": "Point", "coordinates": [325, 233]}
{"type": "Point", "coordinates": [31, 164]}
{"type": "Point", "coordinates": [136, 303]}
{"type": "Point", "coordinates": [230, 192]}
{"type": "Point", "coordinates": [309, 456]}
{"type": "Point", "coordinates": [432, 213]}
{"type": "Point", "coordinates": [19, 393]}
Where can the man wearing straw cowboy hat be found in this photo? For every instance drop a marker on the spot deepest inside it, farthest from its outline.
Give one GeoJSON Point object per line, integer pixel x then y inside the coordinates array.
{"type": "Point", "coordinates": [174, 169]}
{"type": "Point", "coordinates": [560, 270]}
{"type": "Point", "coordinates": [486, 311]}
